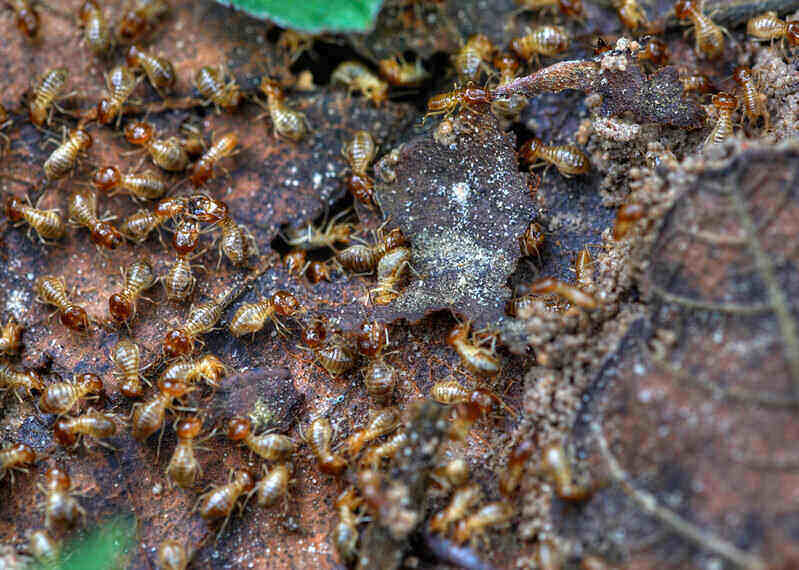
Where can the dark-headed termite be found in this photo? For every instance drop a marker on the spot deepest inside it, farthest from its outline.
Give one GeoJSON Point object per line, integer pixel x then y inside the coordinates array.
{"type": "Point", "coordinates": [82, 210]}
{"type": "Point", "coordinates": [44, 548]}
{"type": "Point", "coordinates": [570, 293]}
{"type": "Point", "coordinates": [11, 337]}
{"type": "Point", "coordinates": [269, 446]}
{"type": "Point", "coordinates": [48, 224]}
{"type": "Point", "coordinates": [471, 59]}
{"type": "Point", "coordinates": [768, 26]}
{"type": "Point", "coordinates": [708, 35]}
{"type": "Point", "coordinates": [631, 14]}
{"type": "Point", "coordinates": [47, 90]}
{"type": "Point", "coordinates": [318, 438]}
{"type": "Point", "coordinates": [61, 397]}
{"type": "Point", "coordinates": [138, 16]}
{"type": "Point", "coordinates": [626, 218]}
{"type": "Point", "coordinates": [13, 378]}
{"type": "Point", "coordinates": [753, 103]}
{"type": "Point", "coordinates": [146, 186]}
{"type": "Point", "coordinates": [357, 77]}
{"type": "Point", "coordinates": [212, 85]}
{"type": "Point", "coordinates": [127, 358]}
{"type": "Point", "coordinates": [183, 467]}
{"type": "Point", "coordinates": [204, 167]}
{"type": "Point", "coordinates": [543, 40]}
{"type": "Point", "coordinates": [168, 154]}
{"type": "Point", "coordinates": [148, 417]}
{"type": "Point", "coordinates": [69, 431]}
{"type": "Point", "coordinates": [391, 271]}
{"type": "Point", "coordinates": [336, 355]}
{"type": "Point", "coordinates": [138, 278]}
{"type": "Point", "coordinates": [359, 153]}
{"type": "Point", "coordinates": [120, 83]}
{"type": "Point", "coordinates": [96, 32]}
{"type": "Point", "coordinates": [220, 500]}
{"type": "Point", "coordinates": [63, 159]}
{"type": "Point", "coordinates": [207, 368]}
{"type": "Point", "coordinates": [725, 104]}
{"type": "Point", "coordinates": [568, 159]}
{"type": "Point", "coordinates": [53, 291]}
{"type": "Point", "coordinates": [202, 319]}
{"type": "Point", "coordinates": [345, 534]}
{"type": "Point", "coordinates": [383, 422]}
{"type": "Point", "coordinates": [447, 103]}
{"type": "Point", "coordinates": [159, 70]}
{"type": "Point", "coordinates": [62, 511]}
{"type": "Point", "coordinates": [491, 514]}
{"type": "Point", "coordinates": [273, 486]}
{"type": "Point", "coordinates": [397, 71]}
{"type": "Point", "coordinates": [172, 556]}
{"type": "Point", "coordinates": [26, 16]}
{"type": "Point", "coordinates": [287, 122]}
{"type": "Point", "coordinates": [462, 500]}
{"type": "Point", "coordinates": [476, 358]}
{"type": "Point", "coordinates": [15, 457]}
{"type": "Point", "coordinates": [250, 317]}
{"type": "Point", "coordinates": [519, 455]}
{"type": "Point", "coordinates": [556, 466]}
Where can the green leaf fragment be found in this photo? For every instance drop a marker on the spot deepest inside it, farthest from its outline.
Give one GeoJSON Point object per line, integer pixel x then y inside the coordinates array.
{"type": "Point", "coordinates": [313, 15]}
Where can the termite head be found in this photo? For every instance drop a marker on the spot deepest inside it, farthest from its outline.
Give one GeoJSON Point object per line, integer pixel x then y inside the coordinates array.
{"type": "Point", "coordinates": [271, 88]}
{"type": "Point", "coordinates": [684, 8]}
{"type": "Point", "coordinates": [239, 428]}
{"type": "Point", "coordinates": [56, 479]}
{"type": "Point", "coordinates": [459, 334]}
{"type": "Point", "coordinates": [189, 428]}
{"type": "Point", "coordinates": [75, 318]}
{"type": "Point", "coordinates": [14, 208]}
{"type": "Point", "coordinates": [139, 132]}
{"type": "Point", "coordinates": [62, 433]}
{"type": "Point", "coordinates": [742, 75]}
{"type": "Point", "coordinates": [106, 178]}
{"type": "Point", "coordinates": [177, 343]}
{"type": "Point", "coordinates": [725, 102]}
{"type": "Point", "coordinates": [530, 149]}
{"type": "Point", "coordinates": [314, 334]}
{"type": "Point", "coordinates": [107, 236]}
{"type": "Point", "coordinates": [285, 303]}
{"type": "Point", "coordinates": [792, 34]}
{"type": "Point", "coordinates": [173, 388]}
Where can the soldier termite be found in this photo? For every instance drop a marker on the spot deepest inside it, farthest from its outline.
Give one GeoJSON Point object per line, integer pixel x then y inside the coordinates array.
{"type": "Point", "coordinates": [357, 77]}
{"type": "Point", "coordinates": [138, 278]}
{"type": "Point", "coordinates": [318, 438]}
{"type": "Point", "coordinates": [127, 358]}
{"type": "Point", "coordinates": [146, 186]}
{"type": "Point", "coordinates": [13, 378]}
{"type": "Point", "coordinates": [250, 317]}
{"type": "Point", "coordinates": [269, 446]}
{"type": "Point", "coordinates": [183, 468]}
{"type": "Point", "coordinates": [202, 318]}
{"type": "Point", "coordinates": [15, 457]}
{"type": "Point", "coordinates": [44, 95]}
{"type": "Point", "coordinates": [48, 224]}
{"type": "Point", "coordinates": [709, 36]}
{"type": "Point", "coordinates": [476, 358]}
{"type": "Point", "coordinates": [472, 59]}
{"type": "Point", "coordinates": [53, 291]}
{"type": "Point", "coordinates": [61, 509]}
{"type": "Point", "coordinates": [568, 159]}
{"type": "Point", "coordinates": [462, 500]}
{"type": "Point", "coordinates": [287, 122]}
{"type": "Point", "coordinates": [753, 103]}
{"type": "Point", "coordinates": [63, 159]}
{"type": "Point", "coordinates": [626, 218]}
{"type": "Point", "coordinates": [120, 83]}
{"type": "Point", "coordinates": [573, 295]}
{"type": "Point", "coordinates": [61, 397]}
{"type": "Point", "coordinates": [212, 85]}
{"type": "Point", "coordinates": [220, 500]}
{"type": "Point", "coordinates": [491, 514]}
{"type": "Point", "coordinates": [96, 32]}
{"type": "Point", "coordinates": [82, 210]}
{"type": "Point", "coordinates": [70, 431]}
{"type": "Point", "coordinates": [204, 167]}
{"type": "Point", "coordinates": [11, 337]}
{"type": "Point", "coordinates": [384, 421]}
{"type": "Point", "coordinates": [168, 154]}
{"type": "Point", "coordinates": [159, 70]}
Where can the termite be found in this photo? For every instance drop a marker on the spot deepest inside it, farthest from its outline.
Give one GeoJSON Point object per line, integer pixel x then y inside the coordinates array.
{"type": "Point", "coordinates": [379, 379]}
{"type": "Point", "coordinates": [82, 210]}
{"type": "Point", "coordinates": [708, 35]}
{"type": "Point", "coordinates": [573, 8]}
{"type": "Point", "coordinates": [15, 457]}
{"type": "Point", "coordinates": [397, 71]}
{"type": "Point", "coordinates": [53, 291]}
{"type": "Point", "coordinates": [336, 356]}
{"type": "Point", "coordinates": [357, 77]}
{"type": "Point", "coordinates": [96, 32]}
{"type": "Point", "coordinates": [556, 466]}
{"type": "Point", "coordinates": [768, 26]}
{"type": "Point", "coordinates": [511, 476]}
{"type": "Point", "coordinates": [250, 317]}
{"type": "Point", "coordinates": [269, 446]}
{"type": "Point", "coordinates": [725, 104]}
{"type": "Point", "coordinates": [183, 467]}
{"type": "Point", "coordinates": [383, 422]}
{"type": "Point", "coordinates": [159, 70]}
{"type": "Point", "coordinates": [318, 438]}
{"type": "Point", "coordinates": [48, 224]}
{"type": "Point", "coordinates": [138, 16]}
{"type": "Point", "coordinates": [631, 14]}
{"type": "Point", "coordinates": [448, 103]}
{"type": "Point", "coordinates": [570, 293]}
{"type": "Point", "coordinates": [11, 337]}
{"type": "Point", "coordinates": [138, 225]}
{"type": "Point", "coordinates": [69, 431]}
{"type": "Point", "coordinates": [374, 457]}
{"type": "Point", "coordinates": [532, 240]}
{"type": "Point", "coordinates": [476, 358]}
{"type": "Point", "coordinates": [287, 122]}
{"type": "Point", "coordinates": [391, 271]}
{"type": "Point", "coordinates": [61, 397]}
{"type": "Point", "coordinates": [472, 58]}
{"type": "Point", "coordinates": [210, 82]}
{"type": "Point", "coordinates": [146, 186]}
{"type": "Point", "coordinates": [168, 154]}
{"type": "Point", "coordinates": [127, 358]}
{"type": "Point", "coordinates": [204, 167]}
{"type": "Point", "coordinates": [568, 159]}
{"type": "Point", "coordinates": [62, 160]}
{"type": "Point", "coordinates": [345, 534]}
{"type": "Point", "coordinates": [138, 278]}
{"type": "Point", "coordinates": [61, 509]}
{"type": "Point", "coordinates": [273, 486]}
{"type": "Point", "coordinates": [753, 103]}
{"type": "Point", "coordinates": [148, 417]}
{"type": "Point", "coordinates": [626, 218]}
{"type": "Point", "coordinates": [236, 242]}
{"type": "Point", "coordinates": [13, 378]}
{"type": "Point", "coordinates": [120, 83]}
{"type": "Point", "coordinates": [26, 16]}
{"type": "Point", "coordinates": [359, 152]}
{"type": "Point", "coordinates": [491, 514]}
{"type": "Point", "coordinates": [462, 500]}
{"type": "Point", "coordinates": [207, 368]}
{"type": "Point", "coordinates": [47, 90]}
{"type": "Point", "coordinates": [220, 500]}
{"type": "Point", "coordinates": [543, 40]}
{"type": "Point", "coordinates": [202, 319]}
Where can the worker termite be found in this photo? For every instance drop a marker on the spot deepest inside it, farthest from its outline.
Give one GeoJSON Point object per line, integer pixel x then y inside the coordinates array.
{"type": "Point", "coordinates": [725, 104]}
{"type": "Point", "coordinates": [273, 486]}
{"type": "Point", "coordinates": [207, 368]}
{"type": "Point", "coordinates": [543, 40]}
{"type": "Point", "coordinates": [556, 466]}
{"type": "Point", "coordinates": [626, 218]}
{"type": "Point", "coordinates": [383, 422]}
{"type": "Point", "coordinates": [210, 82]}
{"type": "Point", "coordinates": [202, 319]}
{"type": "Point", "coordinates": [146, 186]}
{"type": "Point", "coordinates": [476, 358]}
{"type": "Point", "coordinates": [70, 431]}
{"type": "Point", "coordinates": [63, 159]}
{"type": "Point", "coordinates": [204, 167]}
{"type": "Point", "coordinates": [336, 356]}
{"type": "Point", "coordinates": [447, 103]}
{"type": "Point", "coordinates": [329, 235]}
{"type": "Point", "coordinates": [82, 210]}
{"type": "Point", "coordinates": [13, 378]}
{"type": "Point", "coordinates": [61, 509]}
{"type": "Point", "coordinates": [26, 16]}
{"type": "Point", "coordinates": [138, 225]}
{"type": "Point", "coordinates": [96, 32]}
{"type": "Point", "coordinates": [48, 224]}
{"type": "Point", "coordinates": [391, 271]}
{"type": "Point", "coordinates": [491, 514]}
{"type": "Point", "coordinates": [127, 358]}
{"type": "Point", "coordinates": [631, 14]}
{"type": "Point", "coordinates": [362, 258]}
{"type": "Point", "coordinates": [357, 77]}
{"type": "Point", "coordinates": [359, 152]}
{"type": "Point", "coordinates": [375, 455]}
{"type": "Point", "coordinates": [183, 467]}
{"type": "Point", "coordinates": [397, 71]}
{"type": "Point", "coordinates": [44, 548]}
{"type": "Point", "coordinates": [287, 122]}
{"type": "Point", "coordinates": [379, 379]}
{"type": "Point", "coordinates": [172, 556]}
{"type": "Point", "coordinates": [509, 106]}
{"type": "Point", "coordinates": [179, 281]}
{"type": "Point", "coordinates": [570, 293]}
{"type": "Point", "coordinates": [159, 70]}
{"type": "Point", "coordinates": [120, 83]}
{"type": "Point", "coordinates": [318, 438]}
{"type": "Point", "coordinates": [15, 457]}
{"type": "Point", "coordinates": [43, 97]}
{"type": "Point", "coordinates": [471, 59]}
{"type": "Point", "coordinates": [269, 446]}
{"type": "Point", "coordinates": [568, 159]}
{"type": "Point", "coordinates": [250, 317]}
{"type": "Point", "coordinates": [510, 478]}
{"type": "Point", "coordinates": [53, 291]}
{"type": "Point", "coordinates": [709, 37]}
{"type": "Point", "coordinates": [768, 26]}
{"type": "Point", "coordinates": [532, 240]}
{"type": "Point", "coordinates": [753, 103]}
{"type": "Point", "coordinates": [236, 242]}
{"type": "Point", "coordinates": [148, 417]}
{"type": "Point", "coordinates": [345, 534]}
{"type": "Point", "coordinates": [450, 392]}
{"type": "Point", "coordinates": [220, 500]}
{"type": "Point", "coordinates": [168, 154]}
{"type": "Point", "coordinates": [11, 337]}
{"type": "Point", "coordinates": [61, 397]}
{"type": "Point", "coordinates": [138, 278]}
{"type": "Point", "coordinates": [138, 16]}
{"type": "Point", "coordinates": [462, 500]}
